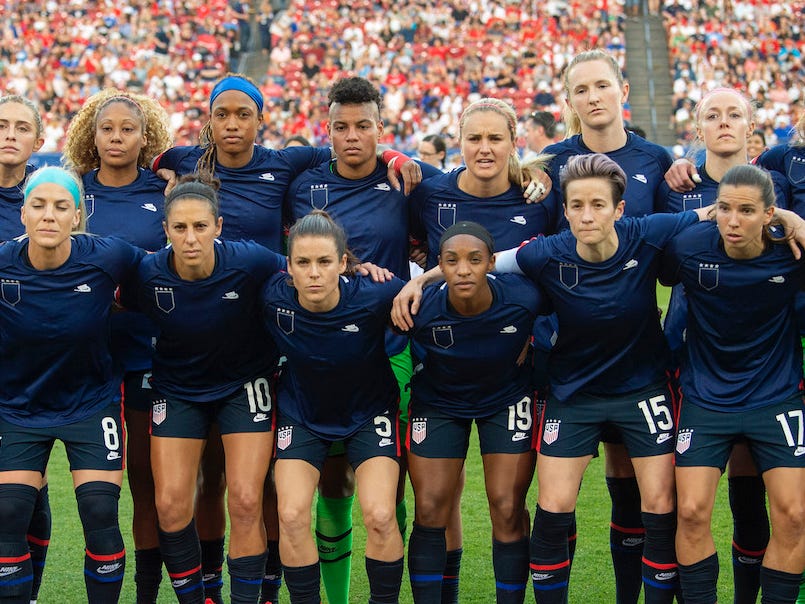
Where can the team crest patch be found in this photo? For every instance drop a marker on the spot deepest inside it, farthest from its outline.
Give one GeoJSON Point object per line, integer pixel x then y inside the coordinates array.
{"type": "Point", "coordinates": [164, 299]}
{"type": "Point", "coordinates": [683, 440]}
{"type": "Point", "coordinates": [796, 169]}
{"type": "Point", "coordinates": [284, 437]}
{"type": "Point", "coordinates": [419, 431]}
{"type": "Point", "coordinates": [568, 275]}
{"type": "Point", "coordinates": [691, 201]}
{"type": "Point", "coordinates": [10, 291]}
{"type": "Point", "coordinates": [551, 431]}
{"type": "Point", "coordinates": [446, 216]}
{"type": "Point", "coordinates": [285, 320]}
{"type": "Point", "coordinates": [708, 275]}
{"type": "Point", "coordinates": [319, 196]}
{"type": "Point", "coordinates": [159, 412]}
{"type": "Point", "coordinates": [443, 336]}
{"type": "Point", "coordinates": [89, 204]}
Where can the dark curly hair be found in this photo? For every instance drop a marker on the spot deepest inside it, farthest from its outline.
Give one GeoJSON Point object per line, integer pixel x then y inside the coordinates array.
{"type": "Point", "coordinates": [354, 91]}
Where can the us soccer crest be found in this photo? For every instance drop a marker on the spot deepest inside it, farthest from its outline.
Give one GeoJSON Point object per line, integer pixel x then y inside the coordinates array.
{"type": "Point", "coordinates": [159, 412]}
{"type": "Point", "coordinates": [796, 169]}
{"type": "Point", "coordinates": [568, 275]}
{"type": "Point", "coordinates": [89, 203]}
{"type": "Point", "coordinates": [164, 299]}
{"type": "Point", "coordinates": [683, 440]}
{"type": "Point", "coordinates": [284, 437]}
{"type": "Point", "coordinates": [319, 196]}
{"type": "Point", "coordinates": [285, 320]}
{"type": "Point", "coordinates": [551, 431]}
{"type": "Point", "coordinates": [443, 336]}
{"type": "Point", "coordinates": [691, 201]}
{"type": "Point", "coordinates": [708, 275]}
{"type": "Point", "coordinates": [10, 291]}
{"type": "Point", "coordinates": [419, 431]}
{"type": "Point", "coordinates": [446, 216]}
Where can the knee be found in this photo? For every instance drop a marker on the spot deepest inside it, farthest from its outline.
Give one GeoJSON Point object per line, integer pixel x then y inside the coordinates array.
{"type": "Point", "coordinates": [245, 504]}
{"type": "Point", "coordinates": [658, 503]}
{"type": "Point", "coordinates": [98, 503]}
{"type": "Point", "coordinates": [505, 512]}
{"type": "Point", "coordinates": [692, 515]}
{"type": "Point", "coordinates": [380, 520]}
{"type": "Point", "coordinates": [174, 508]}
{"type": "Point", "coordinates": [789, 520]}
{"type": "Point", "coordinates": [294, 519]}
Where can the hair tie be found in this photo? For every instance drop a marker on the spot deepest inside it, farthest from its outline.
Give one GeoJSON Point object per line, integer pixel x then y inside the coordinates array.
{"type": "Point", "coordinates": [241, 84]}
{"type": "Point", "coordinates": [57, 176]}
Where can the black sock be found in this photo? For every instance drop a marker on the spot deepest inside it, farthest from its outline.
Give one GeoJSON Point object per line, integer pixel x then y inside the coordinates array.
{"type": "Point", "coordinates": [182, 556]}
{"type": "Point", "coordinates": [385, 579]}
{"type": "Point", "coordinates": [147, 574]}
{"type": "Point", "coordinates": [39, 538]}
{"type": "Point", "coordinates": [572, 538]}
{"type": "Point", "coordinates": [626, 537]}
{"type": "Point", "coordinates": [660, 573]}
{"type": "Point", "coordinates": [750, 535]}
{"type": "Point", "coordinates": [272, 577]}
{"type": "Point", "coordinates": [246, 573]}
{"type": "Point", "coordinates": [17, 503]}
{"type": "Point", "coordinates": [452, 569]}
{"type": "Point", "coordinates": [699, 580]}
{"type": "Point", "coordinates": [303, 583]}
{"type": "Point", "coordinates": [550, 559]}
{"type": "Point", "coordinates": [426, 562]}
{"type": "Point", "coordinates": [510, 563]}
{"type": "Point", "coordinates": [212, 563]}
{"type": "Point", "coordinates": [778, 587]}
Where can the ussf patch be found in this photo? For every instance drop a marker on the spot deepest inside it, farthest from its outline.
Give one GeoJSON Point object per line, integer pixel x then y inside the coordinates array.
{"type": "Point", "coordinates": [683, 440]}
{"type": "Point", "coordinates": [551, 431]}
{"type": "Point", "coordinates": [159, 412]}
{"type": "Point", "coordinates": [419, 431]}
{"type": "Point", "coordinates": [284, 437]}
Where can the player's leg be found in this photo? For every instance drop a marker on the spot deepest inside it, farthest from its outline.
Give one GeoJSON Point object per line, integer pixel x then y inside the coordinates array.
{"type": "Point", "coordinates": [334, 524]}
{"type": "Point", "coordinates": [211, 516]}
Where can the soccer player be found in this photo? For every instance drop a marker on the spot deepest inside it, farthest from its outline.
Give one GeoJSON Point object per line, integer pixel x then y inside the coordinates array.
{"type": "Point", "coordinates": [595, 93]}
{"type": "Point", "coordinates": [254, 181]}
{"type": "Point", "coordinates": [213, 363]}
{"type": "Point", "coordinates": [600, 277]}
{"type": "Point", "coordinates": [470, 335]}
{"type": "Point", "coordinates": [57, 380]}
{"type": "Point", "coordinates": [330, 325]}
{"type": "Point", "coordinates": [724, 120]}
{"type": "Point", "coordinates": [20, 137]}
{"type": "Point", "coordinates": [741, 379]}
{"type": "Point", "coordinates": [123, 132]}
{"type": "Point", "coordinates": [487, 190]}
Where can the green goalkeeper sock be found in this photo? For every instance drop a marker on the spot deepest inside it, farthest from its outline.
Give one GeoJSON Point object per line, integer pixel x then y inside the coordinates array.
{"type": "Point", "coordinates": [334, 540]}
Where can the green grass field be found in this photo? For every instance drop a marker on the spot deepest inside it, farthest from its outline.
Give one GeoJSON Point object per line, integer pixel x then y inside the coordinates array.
{"type": "Point", "coordinates": [591, 580]}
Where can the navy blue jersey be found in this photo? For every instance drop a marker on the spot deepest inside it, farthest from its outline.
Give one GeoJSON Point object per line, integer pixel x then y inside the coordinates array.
{"type": "Point", "coordinates": [437, 203]}
{"type": "Point", "coordinates": [704, 194]}
{"type": "Point", "coordinates": [610, 341]}
{"type": "Point", "coordinates": [132, 212]}
{"type": "Point", "coordinates": [644, 162]}
{"type": "Point", "coordinates": [469, 364]}
{"type": "Point", "coordinates": [742, 348]}
{"type": "Point", "coordinates": [373, 214]}
{"type": "Point", "coordinates": [788, 160]}
{"type": "Point", "coordinates": [11, 199]}
{"type": "Point", "coordinates": [337, 376]}
{"type": "Point", "coordinates": [251, 196]}
{"type": "Point", "coordinates": [55, 362]}
{"type": "Point", "coordinates": [211, 339]}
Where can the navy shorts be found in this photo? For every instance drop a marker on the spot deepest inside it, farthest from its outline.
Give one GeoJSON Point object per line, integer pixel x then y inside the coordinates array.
{"type": "Point", "coordinates": [434, 434]}
{"type": "Point", "coordinates": [574, 428]}
{"type": "Point", "coordinates": [94, 443]}
{"type": "Point", "coordinates": [379, 437]}
{"type": "Point", "coordinates": [776, 435]}
{"type": "Point", "coordinates": [137, 392]}
{"type": "Point", "coordinates": [250, 409]}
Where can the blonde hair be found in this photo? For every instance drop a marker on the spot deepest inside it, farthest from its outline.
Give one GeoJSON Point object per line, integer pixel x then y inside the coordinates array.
{"type": "Point", "coordinates": [571, 119]}
{"type": "Point", "coordinates": [37, 117]}
{"type": "Point", "coordinates": [206, 163]}
{"type": "Point", "coordinates": [697, 144]}
{"type": "Point", "coordinates": [518, 172]}
{"type": "Point", "coordinates": [80, 152]}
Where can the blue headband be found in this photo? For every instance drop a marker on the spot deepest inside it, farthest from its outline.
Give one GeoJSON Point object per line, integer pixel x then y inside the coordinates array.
{"type": "Point", "coordinates": [57, 176]}
{"type": "Point", "coordinates": [241, 84]}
